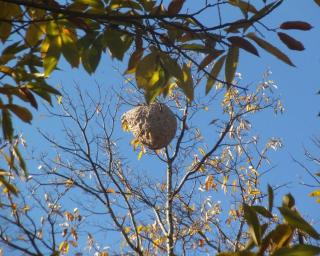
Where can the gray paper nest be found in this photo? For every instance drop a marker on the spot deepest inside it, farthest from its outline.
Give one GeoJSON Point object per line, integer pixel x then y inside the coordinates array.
{"type": "Point", "coordinates": [154, 125]}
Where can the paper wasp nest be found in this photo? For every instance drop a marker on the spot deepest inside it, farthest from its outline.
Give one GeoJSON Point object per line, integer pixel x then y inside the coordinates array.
{"type": "Point", "coordinates": [153, 125]}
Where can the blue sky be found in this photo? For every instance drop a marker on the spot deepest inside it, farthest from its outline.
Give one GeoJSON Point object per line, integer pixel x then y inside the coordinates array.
{"type": "Point", "coordinates": [297, 88]}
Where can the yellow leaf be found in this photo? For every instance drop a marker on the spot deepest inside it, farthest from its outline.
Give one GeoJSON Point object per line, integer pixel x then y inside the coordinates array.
{"type": "Point", "coordinates": [224, 183]}
{"type": "Point", "coordinates": [139, 228]}
{"type": "Point", "coordinates": [187, 84]}
{"type": "Point", "coordinates": [255, 192]}
{"type": "Point", "coordinates": [135, 142]}
{"type": "Point", "coordinates": [209, 183]}
{"type": "Point", "coordinates": [26, 208]}
{"type": "Point", "coordinates": [69, 183]}
{"type": "Point", "coordinates": [202, 151]}
{"type": "Point", "coordinates": [315, 193]}
{"type": "Point", "coordinates": [253, 170]}
{"type": "Point", "coordinates": [127, 230]}
{"type": "Point", "coordinates": [250, 107]}
{"type": "Point", "coordinates": [8, 187]}
{"type": "Point", "coordinates": [110, 190]}
{"type": "Point", "coordinates": [231, 64]}
{"type": "Point", "coordinates": [140, 154]}
{"type": "Point", "coordinates": [64, 247]}
{"type": "Point", "coordinates": [59, 99]}
{"type": "Point", "coordinates": [125, 126]}
{"type": "Point", "coordinates": [214, 73]}
{"type": "Point", "coordinates": [52, 55]}
{"type": "Point", "coordinates": [234, 186]}
{"type": "Point", "coordinates": [7, 70]}
{"type": "Point", "coordinates": [149, 74]}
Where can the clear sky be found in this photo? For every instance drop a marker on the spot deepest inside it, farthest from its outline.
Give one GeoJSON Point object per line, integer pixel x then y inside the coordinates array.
{"type": "Point", "coordinates": [297, 88]}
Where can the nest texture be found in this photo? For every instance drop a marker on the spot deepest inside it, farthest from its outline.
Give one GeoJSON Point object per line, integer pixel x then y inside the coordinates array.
{"type": "Point", "coordinates": [153, 125]}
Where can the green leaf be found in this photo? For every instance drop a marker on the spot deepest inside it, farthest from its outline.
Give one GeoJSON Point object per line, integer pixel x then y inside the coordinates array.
{"type": "Point", "coordinates": [43, 86]}
{"type": "Point", "coordinates": [52, 56]}
{"type": "Point", "coordinates": [175, 6]}
{"type": "Point", "coordinates": [294, 219]}
{"type": "Point", "coordinates": [117, 42]}
{"type": "Point", "coordinates": [119, 4]}
{"type": "Point", "coordinates": [28, 96]}
{"type": "Point", "coordinates": [33, 34]}
{"type": "Point", "coordinates": [43, 90]}
{"type": "Point", "coordinates": [231, 64]}
{"type": "Point", "coordinates": [22, 163]}
{"type": "Point", "coordinates": [21, 112]}
{"type": "Point", "coordinates": [288, 201]}
{"type": "Point", "coordinates": [52, 28]}
{"type": "Point", "coordinates": [172, 67]}
{"type": "Point", "coordinates": [262, 211]}
{"type": "Point", "coordinates": [133, 61]}
{"type": "Point", "coordinates": [214, 73]}
{"type": "Point", "coordinates": [70, 49]}
{"type": "Point", "coordinates": [243, 43]}
{"type": "Point", "coordinates": [187, 83]}
{"type": "Point", "coordinates": [151, 94]}
{"type": "Point", "coordinates": [243, 5]}
{"type": "Point", "coordinates": [148, 5]}
{"type": "Point", "coordinates": [270, 48]}
{"type": "Point", "coordinates": [270, 198]}
{"type": "Point", "coordinates": [264, 11]}
{"type": "Point", "coordinates": [7, 127]}
{"type": "Point", "coordinates": [149, 74]}
{"type": "Point", "coordinates": [253, 223]}
{"type": "Point", "coordinates": [14, 48]}
{"type": "Point", "coordinates": [298, 250]}
{"type": "Point", "coordinates": [250, 243]}
{"type": "Point", "coordinates": [281, 236]}
{"type": "Point", "coordinates": [86, 41]}
{"type": "Point", "coordinates": [195, 47]}
{"type": "Point", "coordinates": [207, 60]}
{"type": "Point", "coordinates": [90, 59]}
{"type": "Point", "coordinates": [92, 3]}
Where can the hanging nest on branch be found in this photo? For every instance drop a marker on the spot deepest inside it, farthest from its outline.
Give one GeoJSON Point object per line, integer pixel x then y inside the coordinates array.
{"type": "Point", "coordinates": [153, 125]}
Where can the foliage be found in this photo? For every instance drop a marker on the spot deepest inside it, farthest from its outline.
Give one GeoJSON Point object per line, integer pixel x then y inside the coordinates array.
{"type": "Point", "coordinates": [281, 239]}
{"type": "Point", "coordinates": [170, 52]}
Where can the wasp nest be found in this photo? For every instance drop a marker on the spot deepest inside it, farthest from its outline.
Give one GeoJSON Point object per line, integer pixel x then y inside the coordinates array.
{"type": "Point", "coordinates": [153, 125]}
